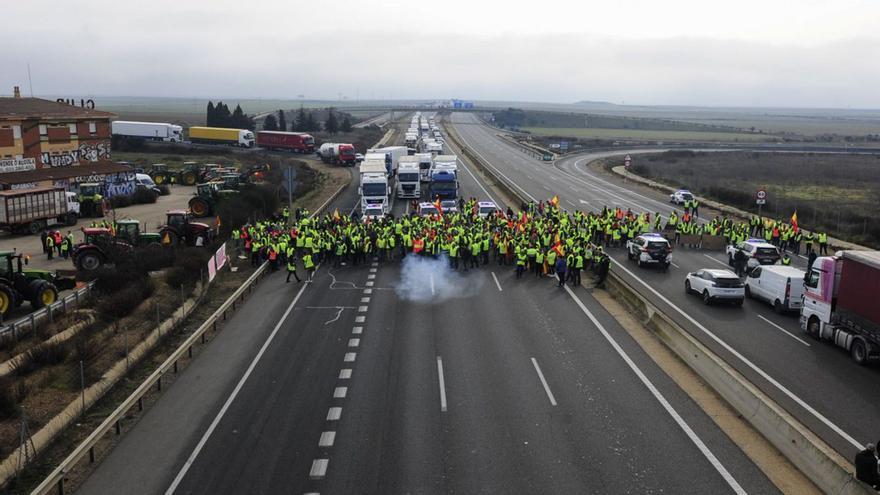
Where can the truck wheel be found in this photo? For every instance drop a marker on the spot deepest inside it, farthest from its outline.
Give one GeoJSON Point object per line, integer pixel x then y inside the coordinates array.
{"type": "Point", "coordinates": [89, 261]}
{"type": "Point", "coordinates": [813, 328]}
{"type": "Point", "coordinates": [777, 306]}
{"type": "Point", "coordinates": [36, 226]}
{"type": "Point", "coordinates": [199, 207]}
{"type": "Point", "coordinates": [41, 293]}
{"type": "Point", "coordinates": [859, 353]}
{"type": "Point", "coordinates": [189, 179]}
{"type": "Point", "coordinates": [7, 299]}
{"type": "Point", "coordinates": [71, 219]}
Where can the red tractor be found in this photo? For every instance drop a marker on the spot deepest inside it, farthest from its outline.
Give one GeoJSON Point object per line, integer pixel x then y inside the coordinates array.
{"type": "Point", "coordinates": [99, 246]}
{"type": "Point", "coordinates": [181, 229]}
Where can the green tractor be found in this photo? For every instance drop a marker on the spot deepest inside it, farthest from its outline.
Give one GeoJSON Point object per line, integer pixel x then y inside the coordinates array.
{"type": "Point", "coordinates": [129, 230]}
{"type": "Point", "coordinates": [91, 202]}
{"type": "Point", "coordinates": [39, 287]}
{"type": "Point", "coordinates": [161, 174]}
{"type": "Point", "coordinates": [204, 203]}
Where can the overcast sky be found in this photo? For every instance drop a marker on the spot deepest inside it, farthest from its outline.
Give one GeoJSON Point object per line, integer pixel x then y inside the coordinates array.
{"type": "Point", "coordinates": [805, 53]}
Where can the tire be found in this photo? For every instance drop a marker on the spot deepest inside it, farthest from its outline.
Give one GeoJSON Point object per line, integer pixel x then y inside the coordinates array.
{"type": "Point", "coordinates": [629, 255]}
{"type": "Point", "coordinates": [89, 261]}
{"type": "Point", "coordinates": [778, 307]}
{"type": "Point", "coordinates": [199, 207]}
{"type": "Point", "coordinates": [748, 292]}
{"type": "Point", "coordinates": [41, 293]}
{"type": "Point", "coordinates": [859, 353]}
{"type": "Point", "coordinates": [687, 286]}
{"type": "Point", "coordinates": [159, 179]}
{"type": "Point", "coordinates": [7, 299]}
{"type": "Point", "coordinates": [36, 226]}
{"type": "Point", "coordinates": [70, 219]}
{"type": "Point", "coordinates": [665, 267]}
{"type": "Point", "coordinates": [707, 299]}
{"type": "Point", "coordinates": [639, 262]}
{"type": "Point", "coordinates": [189, 179]}
{"type": "Point", "coordinates": [813, 328]}
{"type": "Point", "coordinates": [729, 260]}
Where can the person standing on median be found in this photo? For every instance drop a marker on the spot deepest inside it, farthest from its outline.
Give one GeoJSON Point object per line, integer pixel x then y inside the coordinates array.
{"type": "Point", "coordinates": [868, 466]}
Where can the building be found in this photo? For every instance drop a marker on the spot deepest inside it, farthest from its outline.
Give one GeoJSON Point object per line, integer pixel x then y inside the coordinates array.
{"type": "Point", "coordinates": [49, 143]}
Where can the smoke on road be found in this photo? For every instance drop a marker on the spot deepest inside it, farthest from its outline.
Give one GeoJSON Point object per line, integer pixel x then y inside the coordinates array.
{"type": "Point", "coordinates": [430, 280]}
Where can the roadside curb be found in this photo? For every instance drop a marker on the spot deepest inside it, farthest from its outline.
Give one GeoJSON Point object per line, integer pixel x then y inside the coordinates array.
{"type": "Point", "coordinates": [816, 459]}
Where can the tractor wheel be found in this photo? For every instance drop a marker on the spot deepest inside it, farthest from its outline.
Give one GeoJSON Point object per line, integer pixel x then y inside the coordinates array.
{"type": "Point", "coordinates": [159, 179]}
{"type": "Point", "coordinates": [7, 299]}
{"type": "Point", "coordinates": [41, 293]}
{"type": "Point", "coordinates": [189, 178]}
{"type": "Point", "coordinates": [89, 261]}
{"type": "Point", "coordinates": [199, 207]}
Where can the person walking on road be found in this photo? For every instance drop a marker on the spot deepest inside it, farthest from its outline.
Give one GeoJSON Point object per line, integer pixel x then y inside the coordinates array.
{"type": "Point", "coordinates": [561, 268]}
{"type": "Point", "coordinates": [291, 268]}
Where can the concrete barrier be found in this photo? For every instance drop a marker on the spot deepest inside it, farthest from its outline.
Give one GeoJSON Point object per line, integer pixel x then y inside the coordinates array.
{"type": "Point", "coordinates": [816, 459]}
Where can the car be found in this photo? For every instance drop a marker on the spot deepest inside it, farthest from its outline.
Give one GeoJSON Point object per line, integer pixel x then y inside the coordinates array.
{"type": "Point", "coordinates": [680, 196]}
{"type": "Point", "coordinates": [647, 249]}
{"type": "Point", "coordinates": [758, 252]}
{"type": "Point", "coordinates": [715, 285]}
{"type": "Point", "coordinates": [449, 206]}
{"type": "Point", "coordinates": [373, 213]}
{"type": "Point", "coordinates": [358, 157]}
{"type": "Point", "coordinates": [144, 181]}
{"type": "Point", "coordinates": [486, 208]}
{"type": "Point", "coordinates": [781, 286]}
{"type": "Point", "coordinates": [427, 209]}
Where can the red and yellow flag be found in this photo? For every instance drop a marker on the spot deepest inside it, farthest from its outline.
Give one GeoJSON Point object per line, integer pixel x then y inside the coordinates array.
{"type": "Point", "coordinates": [439, 205]}
{"type": "Point", "coordinates": [558, 248]}
{"type": "Point", "coordinates": [336, 214]}
{"type": "Point", "coordinates": [794, 222]}
{"type": "Point", "coordinates": [554, 200]}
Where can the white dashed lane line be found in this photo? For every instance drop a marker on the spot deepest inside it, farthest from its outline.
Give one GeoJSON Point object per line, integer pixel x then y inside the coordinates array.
{"type": "Point", "coordinates": [334, 413]}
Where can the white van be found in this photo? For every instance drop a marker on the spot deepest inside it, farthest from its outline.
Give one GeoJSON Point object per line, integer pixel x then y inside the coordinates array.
{"type": "Point", "coordinates": [781, 286]}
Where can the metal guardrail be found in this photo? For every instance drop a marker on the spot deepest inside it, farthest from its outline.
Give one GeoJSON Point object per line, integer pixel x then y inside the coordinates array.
{"type": "Point", "coordinates": [48, 313]}
{"type": "Point", "coordinates": [56, 477]}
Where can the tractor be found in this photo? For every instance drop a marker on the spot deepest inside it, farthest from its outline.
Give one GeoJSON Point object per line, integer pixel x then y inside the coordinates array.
{"type": "Point", "coordinates": [181, 229]}
{"type": "Point", "coordinates": [39, 287]}
{"type": "Point", "coordinates": [204, 203]}
{"type": "Point", "coordinates": [91, 202]}
{"type": "Point", "coordinates": [161, 174]}
{"type": "Point", "coordinates": [102, 245]}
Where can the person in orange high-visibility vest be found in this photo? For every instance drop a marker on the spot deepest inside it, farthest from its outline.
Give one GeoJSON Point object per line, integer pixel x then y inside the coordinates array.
{"type": "Point", "coordinates": [418, 245]}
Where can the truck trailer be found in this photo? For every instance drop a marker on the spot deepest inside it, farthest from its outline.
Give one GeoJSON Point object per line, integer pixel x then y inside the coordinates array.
{"type": "Point", "coordinates": [392, 156]}
{"type": "Point", "coordinates": [155, 131]}
{"type": "Point", "coordinates": [297, 142]}
{"type": "Point", "coordinates": [840, 302]}
{"type": "Point", "coordinates": [374, 188]}
{"type": "Point", "coordinates": [32, 210]}
{"type": "Point", "coordinates": [222, 135]}
{"type": "Point", "coordinates": [338, 153]}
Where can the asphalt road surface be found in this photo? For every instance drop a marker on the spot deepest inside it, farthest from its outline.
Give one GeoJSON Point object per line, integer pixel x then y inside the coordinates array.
{"type": "Point", "coordinates": [815, 381]}
{"type": "Point", "coordinates": [402, 377]}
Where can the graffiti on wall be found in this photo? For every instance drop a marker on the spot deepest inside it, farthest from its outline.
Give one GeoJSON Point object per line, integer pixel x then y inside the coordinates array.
{"type": "Point", "coordinates": [90, 152]}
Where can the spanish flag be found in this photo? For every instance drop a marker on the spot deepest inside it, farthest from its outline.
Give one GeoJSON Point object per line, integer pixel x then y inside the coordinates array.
{"type": "Point", "coordinates": [794, 223]}
{"type": "Point", "coordinates": [439, 205]}
{"type": "Point", "coordinates": [554, 201]}
{"type": "Point", "coordinates": [558, 248]}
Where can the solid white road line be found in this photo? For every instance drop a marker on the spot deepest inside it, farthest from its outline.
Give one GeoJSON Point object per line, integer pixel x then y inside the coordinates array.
{"type": "Point", "coordinates": [327, 439]}
{"type": "Point", "coordinates": [319, 469]}
{"type": "Point", "coordinates": [662, 400]}
{"type": "Point", "coordinates": [827, 422]}
{"type": "Point", "coordinates": [442, 384]}
{"type": "Point", "coordinates": [673, 264]}
{"type": "Point", "coordinates": [213, 426]}
{"type": "Point", "coordinates": [544, 382]}
{"type": "Point", "coordinates": [716, 260]}
{"type": "Point", "coordinates": [497, 284]}
{"type": "Point", "coordinates": [334, 413]}
{"type": "Point", "coordinates": [786, 332]}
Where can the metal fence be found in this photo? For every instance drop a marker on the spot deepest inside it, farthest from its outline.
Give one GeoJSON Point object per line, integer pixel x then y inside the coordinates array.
{"type": "Point", "coordinates": [48, 313]}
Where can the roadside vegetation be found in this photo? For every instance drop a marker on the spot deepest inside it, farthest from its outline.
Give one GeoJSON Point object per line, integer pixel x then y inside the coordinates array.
{"type": "Point", "coordinates": [838, 194]}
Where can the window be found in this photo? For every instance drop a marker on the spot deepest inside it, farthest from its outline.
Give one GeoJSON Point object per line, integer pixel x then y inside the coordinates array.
{"type": "Point", "coordinates": [755, 273]}
{"type": "Point", "coordinates": [72, 128]}
{"type": "Point", "coordinates": [93, 128]}
{"type": "Point", "coordinates": [16, 132]}
{"type": "Point", "coordinates": [813, 279]}
{"type": "Point", "coordinates": [42, 129]}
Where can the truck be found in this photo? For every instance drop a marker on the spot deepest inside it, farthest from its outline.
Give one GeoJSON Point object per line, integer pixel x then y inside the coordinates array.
{"type": "Point", "coordinates": [338, 153]}
{"type": "Point", "coordinates": [840, 302]}
{"type": "Point", "coordinates": [444, 180]}
{"type": "Point", "coordinates": [154, 131]}
{"type": "Point", "coordinates": [32, 210]}
{"type": "Point", "coordinates": [374, 188]}
{"type": "Point", "coordinates": [412, 139]}
{"type": "Point", "coordinates": [297, 142]}
{"type": "Point", "coordinates": [426, 161]}
{"type": "Point", "coordinates": [222, 135]}
{"type": "Point", "coordinates": [392, 156]}
{"type": "Point", "coordinates": [408, 178]}
{"type": "Point", "coordinates": [434, 147]}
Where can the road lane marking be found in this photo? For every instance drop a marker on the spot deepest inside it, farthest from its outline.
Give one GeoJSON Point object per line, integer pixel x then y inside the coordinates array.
{"type": "Point", "coordinates": [788, 393]}
{"type": "Point", "coordinates": [544, 382]}
{"type": "Point", "coordinates": [572, 204]}
{"type": "Point", "coordinates": [250, 369]}
{"type": "Point", "coordinates": [431, 276]}
{"type": "Point", "coordinates": [360, 319]}
{"type": "Point", "coordinates": [716, 260]}
{"type": "Point", "coordinates": [357, 330]}
{"type": "Point", "coordinates": [370, 283]}
{"type": "Point", "coordinates": [530, 177]}
{"type": "Point", "coordinates": [340, 392]}
{"type": "Point", "coordinates": [545, 187]}
{"type": "Point", "coordinates": [354, 342]}
{"type": "Point", "coordinates": [363, 309]}
{"type": "Point", "coordinates": [345, 374]}
{"type": "Point", "coordinates": [496, 282]}
{"type": "Point", "coordinates": [327, 439]}
{"type": "Point", "coordinates": [795, 337]}
{"type": "Point", "coordinates": [734, 485]}
{"type": "Point", "coordinates": [442, 384]}
{"type": "Point", "coordinates": [365, 299]}
{"type": "Point", "coordinates": [371, 276]}
{"type": "Point", "coordinates": [334, 413]}
{"type": "Point", "coordinates": [350, 357]}
{"type": "Point", "coordinates": [368, 291]}
{"type": "Point", "coordinates": [373, 270]}
{"type": "Point", "coordinates": [673, 264]}
{"type": "Point", "coordinates": [319, 469]}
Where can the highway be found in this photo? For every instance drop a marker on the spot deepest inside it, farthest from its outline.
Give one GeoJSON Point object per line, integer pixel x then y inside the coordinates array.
{"type": "Point", "coordinates": [402, 377]}
{"type": "Point", "coordinates": [816, 381]}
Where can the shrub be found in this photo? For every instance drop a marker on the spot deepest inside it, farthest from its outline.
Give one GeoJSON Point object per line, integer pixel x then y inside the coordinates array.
{"type": "Point", "coordinates": [188, 266]}
{"type": "Point", "coordinates": [48, 354]}
{"type": "Point", "coordinates": [8, 404]}
{"type": "Point", "coordinates": [121, 303]}
{"type": "Point", "coordinates": [153, 259]}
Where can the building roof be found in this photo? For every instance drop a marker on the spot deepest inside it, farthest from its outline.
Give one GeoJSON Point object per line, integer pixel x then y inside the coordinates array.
{"type": "Point", "coordinates": [38, 108]}
{"type": "Point", "coordinates": [59, 173]}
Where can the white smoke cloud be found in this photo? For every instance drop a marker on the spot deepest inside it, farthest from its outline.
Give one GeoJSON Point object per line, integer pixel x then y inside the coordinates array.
{"type": "Point", "coordinates": [430, 280]}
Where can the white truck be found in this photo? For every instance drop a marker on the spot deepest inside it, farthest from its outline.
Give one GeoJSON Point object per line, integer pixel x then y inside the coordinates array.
{"type": "Point", "coordinates": [408, 178]}
{"type": "Point", "coordinates": [392, 155]}
{"type": "Point", "coordinates": [426, 161]}
{"type": "Point", "coordinates": [32, 210]}
{"type": "Point", "coordinates": [156, 131]}
{"type": "Point", "coordinates": [374, 188]}
{"type": "Point", "coordinates": [412, 139]}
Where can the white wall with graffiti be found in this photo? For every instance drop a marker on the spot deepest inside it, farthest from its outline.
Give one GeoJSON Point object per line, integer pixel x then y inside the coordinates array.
{"type": "Point", "coordinates": [118, 184]}
{"type": "Point", "coordinates": [85, 152]}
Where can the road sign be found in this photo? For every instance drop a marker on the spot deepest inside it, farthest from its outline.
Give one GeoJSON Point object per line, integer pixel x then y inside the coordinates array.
{"type": "Point", "coordinates": [761, 197]}
{"type": "Point", "coordinates": [563, 145]}
{"type": "Point", "coordinates": [627, 161]}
